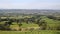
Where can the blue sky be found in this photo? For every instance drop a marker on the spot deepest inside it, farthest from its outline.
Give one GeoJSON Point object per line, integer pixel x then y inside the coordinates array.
{"type": "Point", "coordinates": [29, 4]}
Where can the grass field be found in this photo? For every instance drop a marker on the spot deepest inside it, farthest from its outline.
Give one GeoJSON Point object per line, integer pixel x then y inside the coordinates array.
{"type": "Point", "coordinates": [31, 32]}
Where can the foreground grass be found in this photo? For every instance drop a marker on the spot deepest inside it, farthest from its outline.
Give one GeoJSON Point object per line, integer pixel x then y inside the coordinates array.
{"type": "Point", "coordinates": [31, 32]}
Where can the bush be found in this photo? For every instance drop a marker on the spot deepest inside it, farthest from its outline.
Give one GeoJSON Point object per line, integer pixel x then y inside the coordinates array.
{"type": "Point", "coordinates": [20, 29]}
{"type": "Point", "coordinates": [31, 29]}
{"type": "Point", "coordinates": [14, 30]}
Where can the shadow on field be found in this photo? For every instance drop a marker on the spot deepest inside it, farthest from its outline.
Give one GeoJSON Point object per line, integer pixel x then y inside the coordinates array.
{"type": "Point", "coordinates": [57, 32]}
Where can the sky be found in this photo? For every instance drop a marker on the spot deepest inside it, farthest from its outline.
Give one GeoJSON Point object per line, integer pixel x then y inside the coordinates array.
{"type": "Point", "coordinates": [30, 4]}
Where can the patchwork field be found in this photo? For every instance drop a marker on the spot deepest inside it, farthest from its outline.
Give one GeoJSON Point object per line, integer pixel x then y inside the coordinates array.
{"type": "Point", "coordinates": [29, 25]}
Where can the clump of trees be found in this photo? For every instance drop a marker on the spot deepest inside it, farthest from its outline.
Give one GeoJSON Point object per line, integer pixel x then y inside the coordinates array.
{"type": "Point", "coordinates": [53, 17]}
{"type": "Point", "coordinates": [42, 24]}
{"type": "Point", "coordinates": [2, 27]}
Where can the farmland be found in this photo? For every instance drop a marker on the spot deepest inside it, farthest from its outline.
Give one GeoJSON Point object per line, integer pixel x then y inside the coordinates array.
{"type": "Point", "coordinates": [17, 23]}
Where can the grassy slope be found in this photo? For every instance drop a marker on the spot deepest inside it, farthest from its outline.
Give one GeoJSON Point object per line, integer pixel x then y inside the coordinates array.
{"type": "Point", "coordinates": [29, 25]}
{"type": "Point", "coordinates": [51, 22]}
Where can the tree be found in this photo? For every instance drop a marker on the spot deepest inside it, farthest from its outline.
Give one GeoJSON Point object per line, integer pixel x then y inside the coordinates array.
{"type": "Point", "coordinates": [20, 25]}
{"type": "Point", "coordinates": [2, 27]}
{"type": "Point", "coordinates": [42, 24]}
{"type": "Point", "coordinates": [51, 17]}
{"type": "Point", "coordinates": [0, 19]}
{"type": "Point", "coordinates": [8, 23]}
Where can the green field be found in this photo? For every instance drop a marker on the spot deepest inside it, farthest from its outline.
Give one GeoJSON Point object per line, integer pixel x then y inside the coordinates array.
{"type": "Point", "coordinates": [53, 24]}
{"type": "Point", "coordinates": [31, 32]}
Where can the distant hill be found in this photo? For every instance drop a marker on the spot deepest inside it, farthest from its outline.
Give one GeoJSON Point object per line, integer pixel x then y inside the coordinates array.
{"type": "Point", "coordinates": [29, 11]}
